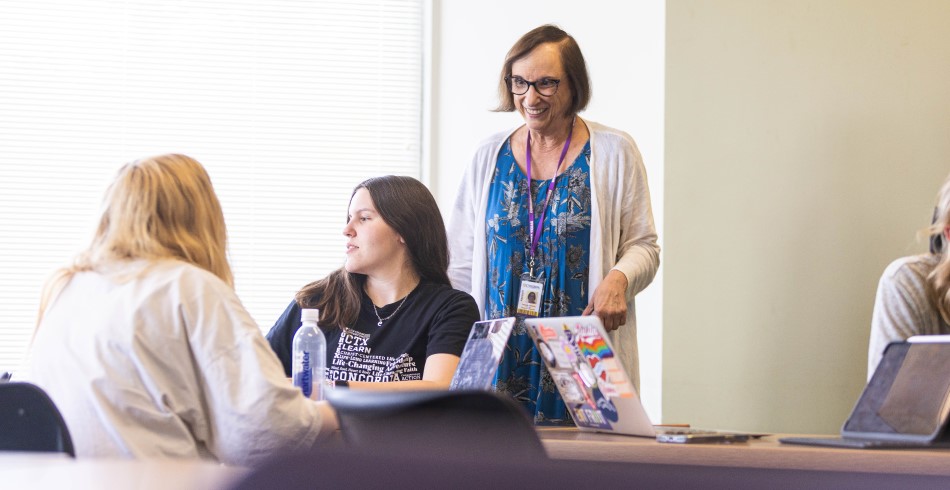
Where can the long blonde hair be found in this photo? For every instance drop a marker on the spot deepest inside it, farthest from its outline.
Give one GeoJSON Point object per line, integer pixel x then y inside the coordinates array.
{"type": "Point", "coordinates": [939, 279]}
{"type": "Point", "coordinates": [161, 207]}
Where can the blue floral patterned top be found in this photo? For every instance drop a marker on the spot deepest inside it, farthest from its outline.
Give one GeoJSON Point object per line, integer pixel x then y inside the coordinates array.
{"type": "Point", "coordinates": [562, 254]}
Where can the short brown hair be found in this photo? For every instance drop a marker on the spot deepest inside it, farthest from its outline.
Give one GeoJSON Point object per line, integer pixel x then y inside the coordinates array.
{"type": "Point", "coordinates": [571, 59]}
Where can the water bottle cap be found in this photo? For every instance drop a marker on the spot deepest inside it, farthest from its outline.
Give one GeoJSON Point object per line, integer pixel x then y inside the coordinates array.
{"type": "Point", "coordinates": [309, 315]}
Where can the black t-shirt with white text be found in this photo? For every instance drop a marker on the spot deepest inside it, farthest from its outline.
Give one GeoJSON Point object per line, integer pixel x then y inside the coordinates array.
{"type": "Point", "coordinates": [435, 319]}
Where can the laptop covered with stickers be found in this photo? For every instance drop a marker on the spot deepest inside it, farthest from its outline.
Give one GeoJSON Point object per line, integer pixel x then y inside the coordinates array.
{"type": "Point", "coordinates": [594, 385]}
{"type": "Point", "coordinates": [589, 375]}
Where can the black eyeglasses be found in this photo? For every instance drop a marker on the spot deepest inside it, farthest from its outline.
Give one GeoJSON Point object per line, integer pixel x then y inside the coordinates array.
{"type": "Point", "coordinates": [545, 86]}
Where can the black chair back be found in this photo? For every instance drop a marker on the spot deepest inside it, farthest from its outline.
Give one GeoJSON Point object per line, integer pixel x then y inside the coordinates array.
{"type": "Point", "coordinates": [29, 421]}
{"type": "Point", "coordinates": [477, 426]}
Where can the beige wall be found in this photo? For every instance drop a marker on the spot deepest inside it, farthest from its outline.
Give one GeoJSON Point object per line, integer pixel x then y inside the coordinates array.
{"type": "Point", "coordinates": [805, 141]}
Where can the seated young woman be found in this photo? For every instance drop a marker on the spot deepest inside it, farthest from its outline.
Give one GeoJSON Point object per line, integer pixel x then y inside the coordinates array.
{"type": "Point", "coordinates": [390, 315]}
{"type": "Point", "coordinates": [913, 296]}
{"type": "Point", "coordinates": [145, 348]}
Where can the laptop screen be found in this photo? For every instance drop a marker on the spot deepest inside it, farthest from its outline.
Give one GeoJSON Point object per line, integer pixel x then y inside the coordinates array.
{"type": "Point", "coordinates": [479, 360]}
{"type": "Point", "coordinates": [907, 395]}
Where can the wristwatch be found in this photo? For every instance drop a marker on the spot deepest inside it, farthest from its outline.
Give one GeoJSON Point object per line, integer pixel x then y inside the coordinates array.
{"type": "Point", "coordinates": [341, 383]}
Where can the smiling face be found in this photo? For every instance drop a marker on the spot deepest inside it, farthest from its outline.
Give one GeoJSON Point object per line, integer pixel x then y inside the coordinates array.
{"type": "Point", "coordinates": [373, 248]}
{"type": "Point", "coordinates": [543, 113]}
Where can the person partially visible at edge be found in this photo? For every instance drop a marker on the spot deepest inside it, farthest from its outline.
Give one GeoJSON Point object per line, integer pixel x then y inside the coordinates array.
{"type": "Point", "coordinates": [143, 344]}
{"type": "Point", "coordinates": [913, 295]}
{"type": "Point", "coordinates": [391, 317]}
{"type": "Point", "coordinates": [581, 234]}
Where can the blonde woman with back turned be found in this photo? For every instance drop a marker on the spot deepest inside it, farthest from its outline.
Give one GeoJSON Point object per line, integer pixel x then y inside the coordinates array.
{"type": "Point", "coordinates": [143, 344]}
{"type": "Point", "coordinates": [913, 296]}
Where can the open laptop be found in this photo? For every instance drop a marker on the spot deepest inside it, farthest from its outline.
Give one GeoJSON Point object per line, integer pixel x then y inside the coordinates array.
{"type": "Point", "coordinates": [483, 349]}
{"type": "Point", "coordinates": [905, 404]}
{"type": "Point", "coordinates": [594, 385]}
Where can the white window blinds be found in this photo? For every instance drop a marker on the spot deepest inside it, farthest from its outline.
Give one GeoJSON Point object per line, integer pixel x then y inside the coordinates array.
{"type": "Point", "coordinates": [289, 105]}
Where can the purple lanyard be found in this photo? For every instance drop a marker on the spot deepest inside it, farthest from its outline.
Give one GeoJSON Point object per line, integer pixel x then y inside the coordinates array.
{"type": "Point", "coordinates": [535, 231]}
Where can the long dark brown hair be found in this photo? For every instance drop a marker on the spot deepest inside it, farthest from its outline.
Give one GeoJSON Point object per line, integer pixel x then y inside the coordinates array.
{"type": "Point", "coordinates": [408, 207]}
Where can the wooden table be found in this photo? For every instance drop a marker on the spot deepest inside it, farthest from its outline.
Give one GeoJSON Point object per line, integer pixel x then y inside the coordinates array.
{"type": "Point", "coordinates": [644, 463]}
{"type": "Point", "coordinates": [569, 443]}
{"type": "Point", "coordinates": [52, 470]}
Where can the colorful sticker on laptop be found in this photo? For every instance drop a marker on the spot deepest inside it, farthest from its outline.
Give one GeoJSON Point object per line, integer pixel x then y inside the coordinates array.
{"type": "Point", "coordinates": [590, 418]}
{"type": "Point", "coordinates": [584, 389]}
{"type": "Point", "coordinates": [547, 333]}
{"type": "Point", "coordinates": [601, 358]}
{"type": "Point", "coordinates": [567, 333]}
{"type": "Point", "coordinates": [547, 354]}
{"type": "Point", "coordinates": [606, 407]}
{"type": "Point", "coordinates": [611, 378]}
{"type": "Point", "coordinates": [564, 352]}
{"type": "Point", "coordinates": [594, 347]}
{"type": "Point", "coordinates": [570, 391]}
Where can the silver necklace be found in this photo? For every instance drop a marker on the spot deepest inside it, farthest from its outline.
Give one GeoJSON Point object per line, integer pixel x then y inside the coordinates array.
{"type": "Point", "coordinates": [381, 320]}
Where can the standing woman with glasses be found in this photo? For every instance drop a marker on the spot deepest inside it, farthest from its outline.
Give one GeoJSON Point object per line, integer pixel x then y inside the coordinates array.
{"type": "Point", "coordinates": [391, 317]}
{"type": "Point", "coordinates": [580, 237]}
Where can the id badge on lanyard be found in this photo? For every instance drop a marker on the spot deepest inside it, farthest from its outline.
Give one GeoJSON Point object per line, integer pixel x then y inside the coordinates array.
{"type": "Point", "coordinates": [529, 297]}
{"type": "Point", "coordinates": [532, 286]}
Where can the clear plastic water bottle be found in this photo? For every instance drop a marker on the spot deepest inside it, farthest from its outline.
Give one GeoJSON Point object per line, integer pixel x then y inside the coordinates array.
{"type": "Point", "coordinates": [310, 355]}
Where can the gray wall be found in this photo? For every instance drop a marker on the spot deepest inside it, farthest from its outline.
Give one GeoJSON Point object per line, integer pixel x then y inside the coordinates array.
{"type": "Point", "coordinates": [805, 142]}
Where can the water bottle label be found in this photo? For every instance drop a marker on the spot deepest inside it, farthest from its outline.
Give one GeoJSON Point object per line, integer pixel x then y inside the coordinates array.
{"type": "Point", "coordinates": [306, 379]}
